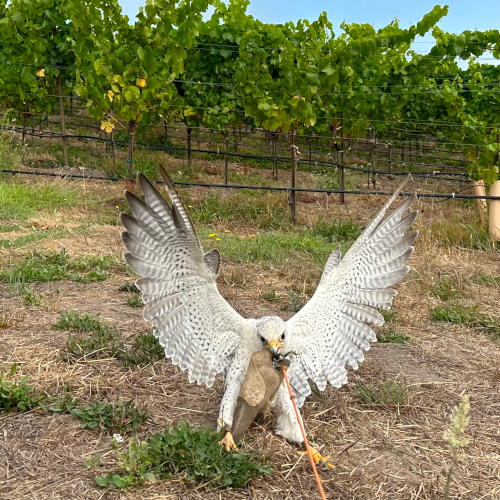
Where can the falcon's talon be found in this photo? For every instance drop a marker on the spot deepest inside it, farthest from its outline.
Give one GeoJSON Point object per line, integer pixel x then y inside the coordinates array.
{"type": "Point", "coordinates": [228, 442]}
{"type": "Point", "coordinates": [318, 458]}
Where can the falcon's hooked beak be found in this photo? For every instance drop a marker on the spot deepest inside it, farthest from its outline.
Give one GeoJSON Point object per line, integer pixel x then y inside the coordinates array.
{"type": "Point", "coordinates": [274, 346]}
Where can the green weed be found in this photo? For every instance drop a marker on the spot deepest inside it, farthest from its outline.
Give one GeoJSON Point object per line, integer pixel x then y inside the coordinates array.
{"type": "Point", "coordinates": [15, 395]}
{"type": "Point", "coordinates": [118, 416]}
{"type": "Point", "coordinates": [295, 302]}
{"type": "Point", "coordinates": [447, 288]}
{"type": "Point", "coordinates": [145, 350]}
{"type": "Point", "coordinates": [136, 299]}
{"type": "Point", "coordinates": [469, 316]}
{"type": "Point", "coordinates": [100, 342]}
{"type": "Point", "coordinates": [392, 337]}
{"type": "Point", "coordinates": [129, 288]}
{"type": "Point", "coordinates": [389, 316]}
{"type": "Point", "coordinates": [183, 452]}
{"type": "Point", "coordinates": [33, 298]}
{"type": "Point", "coordinates": [59, 403]}
{"type": "Point", "coordinates": [270, 296]}
{"type": "Point", "coordinates": [389, 393]}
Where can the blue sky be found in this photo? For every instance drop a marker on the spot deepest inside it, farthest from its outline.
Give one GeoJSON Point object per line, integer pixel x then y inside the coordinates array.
{"type": "Point", "coordinates": [463, 14]}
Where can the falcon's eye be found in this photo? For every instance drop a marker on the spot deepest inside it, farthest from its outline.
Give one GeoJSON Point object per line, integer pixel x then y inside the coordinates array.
{"type": "Point", "coordinates": [282, 338]}
{"type": "Point", "coordinates": [262, 339]}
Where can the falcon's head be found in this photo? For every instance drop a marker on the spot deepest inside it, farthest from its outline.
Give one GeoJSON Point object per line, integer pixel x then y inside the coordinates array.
{"type": "Point", "coordinates": [271, 333]}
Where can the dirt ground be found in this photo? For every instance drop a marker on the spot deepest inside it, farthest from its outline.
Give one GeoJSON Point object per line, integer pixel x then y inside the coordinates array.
{"type": "Point", "coordinates": [379, 451]}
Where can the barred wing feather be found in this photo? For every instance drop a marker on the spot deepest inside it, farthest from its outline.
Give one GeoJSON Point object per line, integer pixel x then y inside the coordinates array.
{"type": "Point", "coordinates": [331, 330]}
{"type": "Point", "coordinates": [197, 328]}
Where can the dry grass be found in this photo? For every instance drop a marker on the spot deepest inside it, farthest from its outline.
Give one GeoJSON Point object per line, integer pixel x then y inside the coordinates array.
{"type": "Point", "coordinates": [379, 451]}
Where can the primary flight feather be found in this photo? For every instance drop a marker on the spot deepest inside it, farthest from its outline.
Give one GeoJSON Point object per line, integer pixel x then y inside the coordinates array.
{"type": "Point", "coordinates": [205, 336]}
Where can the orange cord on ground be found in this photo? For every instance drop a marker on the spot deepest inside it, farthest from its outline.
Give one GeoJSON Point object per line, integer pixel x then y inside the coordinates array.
{"type": "Point", "coordinates": [308, 448]}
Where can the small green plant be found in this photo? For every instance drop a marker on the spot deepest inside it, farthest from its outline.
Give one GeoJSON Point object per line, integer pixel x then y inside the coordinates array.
{"type": "Point", "coordinates": [100, 342]}
{"type": "Point", "coordinates": [270, 296]}
{"type": "Point", "coordinates": [128, 288]}
{"type": "Point", "coordinates": [192, 454]}
{"type": "Point", "coordinates": [447, 288]}
{"type": "Point", "coordinates": [389, 316]}
{"type": "Point", "coordinates": [454, 435]}
{"type": "Point", "coordinates": [15, 395]}
{"type": "Point", "coordinates": [389, 393]}
{"type": "Point", "coordinates": [295, 302]}
{"type": "Point", "coordinates": [135, 301]}
{"type": "Point", "coordinates": [93, 461]}
{"type": "Point", "coordinates": [59, 403]}
{"type": "Point", "coordinates": [146, 350]}
{"type": "Point", "coordinates": [469, 316]}
{"type": "Point", "coordinates": [392, 337]}
{"type": "Point", "coordinates": [133, 464]}
{"type": "Point", "coordinates": [33, 299]}
{"type": "Point", "coordinates": [118, 416]}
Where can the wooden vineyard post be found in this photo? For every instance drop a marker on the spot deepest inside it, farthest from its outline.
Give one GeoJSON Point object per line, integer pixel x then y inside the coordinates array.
{"type": "Point", "coordinates": [130, 158]}
{"type": "Point", "coordinates": [113, 149]}
{"type": "Point", "coordinates": [293, 156]}
{"type": "Point", "coordinates": [189, 130]}
{"type": "Point", "coordinates": [235, 138]}
{"type": "Point", "coordinates": [389, 163]}
{"type": "Point", "coordinates": [33, 125]}
{"type": "Point", "coordinates": [371, 161]}
{"type": "Point", "coordinates": [494, 215]}
{"type": "Point", "coordinates": [226, 159]}
{"type": "Point", "coordinates": [165, 125]}
{"type": "Point", "coordinates": [275, 155]}
{"type": "Point", "coordinates": [341, 170]}
{"type": "Point", "coordinates": [198, 139]}
{"type": "Point", "coordinates": [310, 153]}
{"type": "Point", "coordinates": [25, 125]}
{"type": "Point", "coordinates": [494, 219]}
{"type": "Point", "coordinates": [480, 191]}
{"type": "Point", "coordinates": [63, 124]}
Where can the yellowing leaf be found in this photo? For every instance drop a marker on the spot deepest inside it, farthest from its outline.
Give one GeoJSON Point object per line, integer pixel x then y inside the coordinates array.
{"type": "Point", "coordinates": [110, 95]}
{"type": "Point", "coordinates": [40, 73]}
{"type": "Point", "coordinates": [141, 82]}
{"type": "Point", "coordinates": [107, 126]}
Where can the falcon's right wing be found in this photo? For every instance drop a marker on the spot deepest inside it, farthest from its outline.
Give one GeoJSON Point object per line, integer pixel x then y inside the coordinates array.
{"type": "Point", "coordinates": [197, 328]}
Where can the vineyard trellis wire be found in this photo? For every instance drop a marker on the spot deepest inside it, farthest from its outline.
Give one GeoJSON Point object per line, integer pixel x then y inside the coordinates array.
{"type": "Point", "coordinates": [256, 135]}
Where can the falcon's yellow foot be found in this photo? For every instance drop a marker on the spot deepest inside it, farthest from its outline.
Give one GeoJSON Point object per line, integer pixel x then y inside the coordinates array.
{"type": "Point", "coordinates": [228, 442]}
{"type": "Point", "coordinates": [318, 458]}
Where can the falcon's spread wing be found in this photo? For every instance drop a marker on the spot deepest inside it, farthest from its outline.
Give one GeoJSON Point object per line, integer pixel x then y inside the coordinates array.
{"type": "Point", "coordinates": [330, 331]}
{"type": "Point", "coordinates": [197, 328]}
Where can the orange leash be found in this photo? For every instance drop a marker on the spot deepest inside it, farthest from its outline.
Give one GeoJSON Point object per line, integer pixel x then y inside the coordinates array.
{"type": "Point", "coordinates": [306, 442]}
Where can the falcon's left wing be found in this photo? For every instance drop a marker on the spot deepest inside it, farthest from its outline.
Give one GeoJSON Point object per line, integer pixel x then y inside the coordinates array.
{"type": "Point", "coordinates": [331, 330]}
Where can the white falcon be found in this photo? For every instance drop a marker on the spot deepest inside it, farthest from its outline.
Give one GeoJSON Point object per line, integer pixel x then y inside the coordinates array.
{"type": "Point", "coordinates": [204, 335]}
